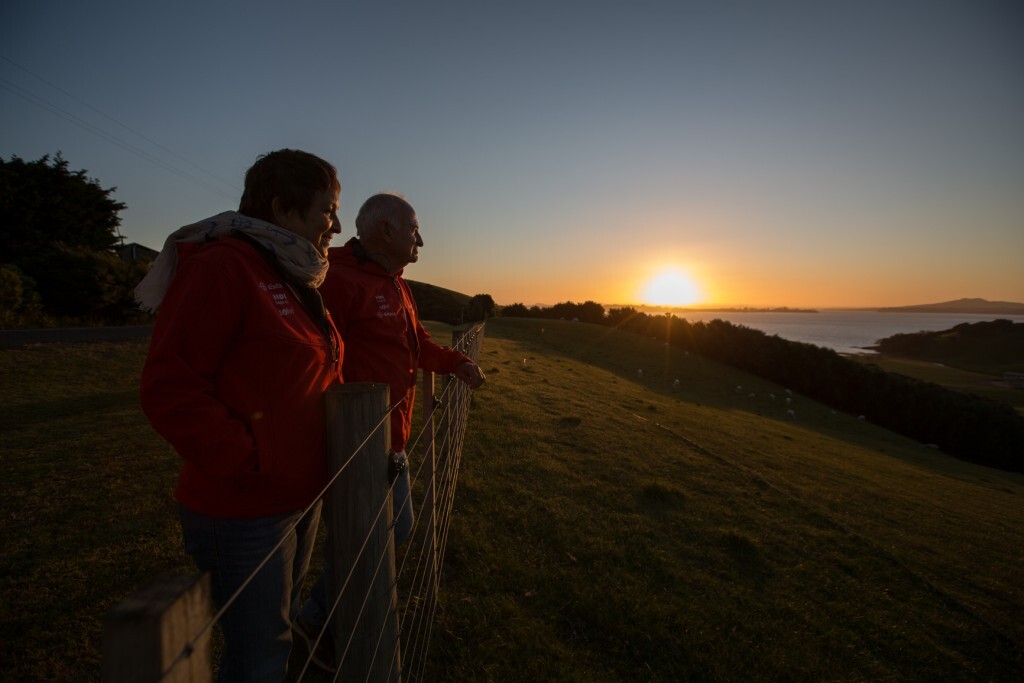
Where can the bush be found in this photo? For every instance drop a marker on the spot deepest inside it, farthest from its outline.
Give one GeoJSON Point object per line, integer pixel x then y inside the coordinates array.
{"type": "Point", "coordinates": [20, 304]}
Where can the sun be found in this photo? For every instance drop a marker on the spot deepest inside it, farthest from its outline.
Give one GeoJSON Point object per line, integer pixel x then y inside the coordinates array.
{"type": "Point", "coordinates": [671, 288]}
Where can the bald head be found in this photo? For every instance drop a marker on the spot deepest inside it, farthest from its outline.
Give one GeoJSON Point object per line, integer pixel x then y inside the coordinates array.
{"type": "Point", "coordinates": [385, 208]}
{"type": "Point", "coordinates": [388, 229]}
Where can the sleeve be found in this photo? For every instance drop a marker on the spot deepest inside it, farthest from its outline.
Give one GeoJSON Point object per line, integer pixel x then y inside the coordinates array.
{"type": "Point", "coordinates": [431, 356]}
{"type": "Point", "coordinates": [199, 319]}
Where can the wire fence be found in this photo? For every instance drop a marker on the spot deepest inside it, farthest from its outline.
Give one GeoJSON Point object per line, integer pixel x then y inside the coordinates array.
{"type": "Point", "coordinates": [411, 576]}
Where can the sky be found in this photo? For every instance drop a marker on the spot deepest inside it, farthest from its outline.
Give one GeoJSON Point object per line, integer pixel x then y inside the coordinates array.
{"type": "Point", "coordinates": [804, 154]}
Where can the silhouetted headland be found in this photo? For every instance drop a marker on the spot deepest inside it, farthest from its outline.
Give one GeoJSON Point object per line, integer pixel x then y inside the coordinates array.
{"type": "Point", "coordinates": [962, 306]}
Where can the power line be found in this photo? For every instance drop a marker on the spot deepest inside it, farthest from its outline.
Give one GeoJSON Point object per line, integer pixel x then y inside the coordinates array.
{"type": "Point", "coordinates": [110, 137]}
{"type": "Point", "coordinates": [68, 116]}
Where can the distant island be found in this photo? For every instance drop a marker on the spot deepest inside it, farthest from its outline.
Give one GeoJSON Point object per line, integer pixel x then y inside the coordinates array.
{"type": "Point", "coordinates": [961, 306]}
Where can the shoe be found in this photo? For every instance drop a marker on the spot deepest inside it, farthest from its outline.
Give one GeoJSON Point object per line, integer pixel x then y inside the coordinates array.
{"type": "Point", "coordinates": [323, 653]}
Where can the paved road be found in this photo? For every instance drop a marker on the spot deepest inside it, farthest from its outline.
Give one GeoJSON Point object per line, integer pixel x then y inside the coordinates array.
{"type": "Point", "coordinates": [9, 338]}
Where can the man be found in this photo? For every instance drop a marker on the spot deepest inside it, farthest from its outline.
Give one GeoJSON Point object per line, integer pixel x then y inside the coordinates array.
{"type": "Point", "coordinates": [374, 311]}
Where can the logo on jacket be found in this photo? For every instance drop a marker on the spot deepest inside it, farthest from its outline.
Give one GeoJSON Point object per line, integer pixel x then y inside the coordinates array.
{"type": "Point", "coordinates": [280, 297]}
{"type": "Point", "coordinates": [383, 309]}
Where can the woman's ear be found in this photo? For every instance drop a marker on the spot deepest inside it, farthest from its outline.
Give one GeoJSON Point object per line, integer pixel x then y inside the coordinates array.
{"type": "Point", "coordinates": [280, 216]}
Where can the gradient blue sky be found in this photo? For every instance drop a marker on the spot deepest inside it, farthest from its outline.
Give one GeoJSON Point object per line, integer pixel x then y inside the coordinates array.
{"type": "Point", "coordinates": [777, 153]}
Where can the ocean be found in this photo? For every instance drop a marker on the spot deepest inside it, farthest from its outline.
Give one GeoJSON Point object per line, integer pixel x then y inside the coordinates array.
{"type": "Point", "coordinates": [844, 331]}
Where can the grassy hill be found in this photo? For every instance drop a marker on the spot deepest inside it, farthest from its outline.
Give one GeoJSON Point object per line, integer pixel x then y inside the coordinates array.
{"type": "Point", "coordinates": [990, 347]}
{"type": "Point", "coordinates": [606, 528]}
{"type": "Point", "coordinates": [610, 529]}
{"type": "Point", "coordinates": [969, 357]}
{"type": "Point", "coordinates": [438, 303]}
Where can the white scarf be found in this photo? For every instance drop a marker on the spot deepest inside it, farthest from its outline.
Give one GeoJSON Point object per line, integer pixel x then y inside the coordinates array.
{"type": "Point", "coordinates": [295, 254]}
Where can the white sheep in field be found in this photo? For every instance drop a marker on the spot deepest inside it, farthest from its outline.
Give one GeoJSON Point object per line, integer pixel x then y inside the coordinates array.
{"type": "Point", "coordinates": [791, 413]}
{"type": "Point", "coordinates": [675, 385]}
{"type": "Point", "coordinates": [739, 388]}
{"type": "Point", "coordinates": [639, 373]}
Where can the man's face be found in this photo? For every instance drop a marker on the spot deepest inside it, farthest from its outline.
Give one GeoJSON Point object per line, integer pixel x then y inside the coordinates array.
{"type": "Point", "coordinates": [406, 240]}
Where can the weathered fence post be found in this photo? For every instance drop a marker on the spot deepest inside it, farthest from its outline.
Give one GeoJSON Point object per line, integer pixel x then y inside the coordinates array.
{"type": "Point", "coordinates": [366, 621]}
{"type": "Point", "coordinates": [145, 636]}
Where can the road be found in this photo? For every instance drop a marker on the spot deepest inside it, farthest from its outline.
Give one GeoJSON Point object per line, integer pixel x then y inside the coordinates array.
{"type": "Point", "coordinates": [12, 338]}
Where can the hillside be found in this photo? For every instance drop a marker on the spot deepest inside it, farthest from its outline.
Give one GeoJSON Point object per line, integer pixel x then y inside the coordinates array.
{"type": "Point", "coordinates": [980, 306]}
{"type": "Point", "coordinates": [438, 303]}
{"type": "Point", "coordinates": [609, 528]}
{"type": "Point", "coordinates": [991, 347]}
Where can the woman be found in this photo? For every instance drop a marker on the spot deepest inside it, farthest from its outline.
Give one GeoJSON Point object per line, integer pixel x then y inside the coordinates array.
{"type": "Point", "coordinates": [241, 354]}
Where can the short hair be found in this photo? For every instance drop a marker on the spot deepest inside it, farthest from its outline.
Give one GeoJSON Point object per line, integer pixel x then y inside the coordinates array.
{"type": "Point", "coordinates": [292, 176]}
{"type": "Point", "coordinates": [380, 208]}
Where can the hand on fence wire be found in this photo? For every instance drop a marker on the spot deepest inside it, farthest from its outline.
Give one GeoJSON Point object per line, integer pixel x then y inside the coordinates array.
{"type": "Point", "coordinates": [471, 374]}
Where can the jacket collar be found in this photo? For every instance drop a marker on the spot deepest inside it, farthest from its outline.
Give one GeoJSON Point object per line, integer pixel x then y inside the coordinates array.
{"type": "Point", "coordinates": [355, 254]}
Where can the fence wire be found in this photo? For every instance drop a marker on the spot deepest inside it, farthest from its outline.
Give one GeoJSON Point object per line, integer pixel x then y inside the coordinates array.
{"type": "Point", "coordinates": [191, 644]}
{"type": "Point", "coordinates": [421, 557]}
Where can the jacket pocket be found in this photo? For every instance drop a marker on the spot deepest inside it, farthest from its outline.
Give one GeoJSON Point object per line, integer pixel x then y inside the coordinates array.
{"type": "Point", "coordinates": [262, 434]}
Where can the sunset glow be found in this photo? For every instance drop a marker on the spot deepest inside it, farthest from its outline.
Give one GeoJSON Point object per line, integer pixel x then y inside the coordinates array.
{"type": "Point", "coordinates": [675, 154]}
{"type": "Point", "coordinates": [671, 288]}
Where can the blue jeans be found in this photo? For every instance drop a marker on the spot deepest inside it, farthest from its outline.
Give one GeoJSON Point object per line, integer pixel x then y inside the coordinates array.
{"type": "Point", "coordinates": [317, 607]}
{"type": "Point", "coordinates": [257, 625]}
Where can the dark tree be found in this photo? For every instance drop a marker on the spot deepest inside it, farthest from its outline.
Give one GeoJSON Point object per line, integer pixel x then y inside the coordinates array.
{"type": "Point", "coordinates": [44, 203]}
{"type": "Point", "coordinates": [59, 233]}
{"type": "Point", "coordinates": [480, 307]}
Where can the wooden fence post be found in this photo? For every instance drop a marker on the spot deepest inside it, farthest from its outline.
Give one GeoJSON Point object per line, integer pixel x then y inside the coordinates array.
{"type": "Point", "coordinates": [367, 615]}
{"type": "Point", "coordinates": [145, 635]}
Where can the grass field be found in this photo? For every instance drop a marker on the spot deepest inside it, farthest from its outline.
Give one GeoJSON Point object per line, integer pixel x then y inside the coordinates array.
{"type": "Point", "coordinates": [607, 528]}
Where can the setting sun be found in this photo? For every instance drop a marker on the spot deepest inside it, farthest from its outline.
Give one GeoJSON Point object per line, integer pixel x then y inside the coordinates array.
{"type": "Point", "coordinates": [671, 288]}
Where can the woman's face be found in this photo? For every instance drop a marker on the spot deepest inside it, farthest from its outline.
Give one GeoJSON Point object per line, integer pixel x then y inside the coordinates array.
{"type": "Point", "coordinates": [319, 224]}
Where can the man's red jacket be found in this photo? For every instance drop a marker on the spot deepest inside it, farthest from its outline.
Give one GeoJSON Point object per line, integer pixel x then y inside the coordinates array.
{"type": "Point", "coordinates": [384, 340]}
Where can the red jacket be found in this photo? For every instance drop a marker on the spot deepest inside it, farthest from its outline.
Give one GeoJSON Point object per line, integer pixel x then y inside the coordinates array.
{"type": "Point", "coordinates": [384, 340]}
{"type": "Point", "coordinates": [234, 381]}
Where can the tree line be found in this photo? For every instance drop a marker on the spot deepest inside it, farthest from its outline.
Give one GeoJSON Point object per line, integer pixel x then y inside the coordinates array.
{"type": "Point", "coordinates": [973, 428]}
